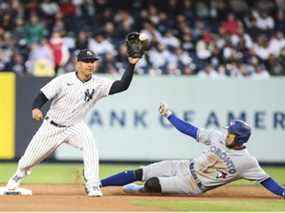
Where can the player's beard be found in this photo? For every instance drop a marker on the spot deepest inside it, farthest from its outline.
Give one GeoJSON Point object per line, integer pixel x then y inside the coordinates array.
{"type": "Point", "coordinates": [232, 145]}
{"type": "Point", "coordinates": [88, 76]}
{"type": "Point", "coordinates": [88, 72]}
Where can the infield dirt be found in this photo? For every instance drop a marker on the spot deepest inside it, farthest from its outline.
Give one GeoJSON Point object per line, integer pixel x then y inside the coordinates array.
{"type": "Point", "coordinates": [71, 197]}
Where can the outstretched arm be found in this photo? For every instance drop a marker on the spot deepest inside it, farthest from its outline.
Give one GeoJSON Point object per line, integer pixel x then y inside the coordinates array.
{"type": "Point", "coordinates": [124, 83]}
{"type": "Point", "coordinates": [179, 124]}
{"type": "Point", "coordinates": [183, 127]}
{"type": "Point", "coordinates": [272, 186]}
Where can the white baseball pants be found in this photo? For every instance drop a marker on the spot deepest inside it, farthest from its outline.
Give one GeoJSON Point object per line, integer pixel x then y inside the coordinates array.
{"type": "Point", "coordinates": [49, 137]}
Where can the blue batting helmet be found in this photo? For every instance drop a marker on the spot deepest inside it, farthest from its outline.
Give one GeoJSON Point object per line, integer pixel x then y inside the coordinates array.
{"type": "Point", "coordinates": [241, 129]}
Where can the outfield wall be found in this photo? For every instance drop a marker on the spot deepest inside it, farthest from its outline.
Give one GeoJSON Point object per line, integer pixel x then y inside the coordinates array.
{"type": "Point", "coordinates": [127, 126]}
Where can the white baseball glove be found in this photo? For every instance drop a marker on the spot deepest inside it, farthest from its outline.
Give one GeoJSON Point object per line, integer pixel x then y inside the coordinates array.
{"type": "Point", "coordinates": [164, 110]}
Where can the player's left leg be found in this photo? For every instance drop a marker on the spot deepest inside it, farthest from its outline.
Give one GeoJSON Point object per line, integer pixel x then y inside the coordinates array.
{"type": "Point", "coordinates": [168, 168]}
{"type": "Point", "coordinates": [152, 185]}
{"type": "Point", "coordinates": [122, 178]}
{"type": "Point", "coordinates": [166, 177]}
{"type": "Point", "coordinates": [81, 134]}
{"type": "Point", "coordinates": [175, 185]}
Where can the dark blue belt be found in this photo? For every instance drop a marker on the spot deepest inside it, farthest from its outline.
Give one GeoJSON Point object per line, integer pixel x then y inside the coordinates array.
{"type": "Point", "coordinates": [54, 123]}
{"type": "Point", "coordinates": [195, 177]}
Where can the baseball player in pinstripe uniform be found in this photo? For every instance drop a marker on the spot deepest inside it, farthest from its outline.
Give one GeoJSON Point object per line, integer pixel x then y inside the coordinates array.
{"type": "Point", "coordinates": [72, 95]}
{"type": "Point", "coordinates": [224, 160]}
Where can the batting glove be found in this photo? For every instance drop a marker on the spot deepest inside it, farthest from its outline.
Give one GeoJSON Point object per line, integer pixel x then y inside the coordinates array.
{"type": "Point", "coordinates": [164, 111]}
{"type": "Point", "coordinates": [283, 194]}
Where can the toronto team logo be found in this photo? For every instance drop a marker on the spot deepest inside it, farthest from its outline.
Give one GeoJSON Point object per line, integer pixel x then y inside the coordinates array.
{"type": "Point", "coordinates": [88, 95]}
{"type": "Point", "coordinates": [221, 175]}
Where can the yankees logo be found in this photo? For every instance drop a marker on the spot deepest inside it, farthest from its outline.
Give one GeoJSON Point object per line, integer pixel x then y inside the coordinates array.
{"type": "Point", "coordinates": [88, 95]}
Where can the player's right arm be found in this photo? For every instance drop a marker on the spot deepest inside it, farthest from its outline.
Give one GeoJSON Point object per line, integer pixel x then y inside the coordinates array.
{"type": "Point", "coordinates": [124, 83]}
{"type": "Point", "coordinates": [49, 91]}
{"type": "Point", "coordinates": [38, 102]}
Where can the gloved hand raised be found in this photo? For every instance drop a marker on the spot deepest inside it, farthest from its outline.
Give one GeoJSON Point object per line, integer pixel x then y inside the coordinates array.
{"type": "Point", "coordinates": [137, 44]}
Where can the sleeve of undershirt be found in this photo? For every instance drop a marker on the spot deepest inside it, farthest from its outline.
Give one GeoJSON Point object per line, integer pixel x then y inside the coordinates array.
{"type": "Point", "coordinates": [273, 186]}
{"type": "Point", "coordinates": [39, 101]}
{"type": "Point", "coordinates": [182, 126]}
{"type": "Point", "coordinates": [124, 83]}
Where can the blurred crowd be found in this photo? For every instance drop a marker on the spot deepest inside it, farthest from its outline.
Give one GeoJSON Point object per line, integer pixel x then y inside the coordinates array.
{"type": "Point", "coordinates": [210, 39]}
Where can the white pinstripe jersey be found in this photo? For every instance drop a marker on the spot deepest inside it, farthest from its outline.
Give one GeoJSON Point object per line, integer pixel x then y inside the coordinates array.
{"type": "Point", "coordinates": [219, 165]}
{"type": "Point", "coordinates": [72, 98]}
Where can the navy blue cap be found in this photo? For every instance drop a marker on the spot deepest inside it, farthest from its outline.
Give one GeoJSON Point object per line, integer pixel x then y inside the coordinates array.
{"type": "Point", "coordinates": [241, 129]}
{"type": "Point", "coordinates": [86, 55]}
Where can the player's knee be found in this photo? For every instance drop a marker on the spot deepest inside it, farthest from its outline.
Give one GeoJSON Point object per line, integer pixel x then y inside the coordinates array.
{"type": "Point", "coordinates": [152, 185]}
{"type": "Point", "coordinates": [139, 174]}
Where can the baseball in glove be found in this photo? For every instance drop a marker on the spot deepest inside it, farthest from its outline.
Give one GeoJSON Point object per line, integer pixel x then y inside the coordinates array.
{"type": "Point", "coordinates": [136, 44]}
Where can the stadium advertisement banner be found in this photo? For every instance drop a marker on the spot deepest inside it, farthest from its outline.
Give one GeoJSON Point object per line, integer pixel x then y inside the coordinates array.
{"type": "Point", "coordinates": [7, 116]}
{"type": "Point", "coordinates": [127, 126]}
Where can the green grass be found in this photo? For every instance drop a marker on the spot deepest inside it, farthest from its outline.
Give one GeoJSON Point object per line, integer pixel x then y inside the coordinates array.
{"type": "Point", "coordinates": [59, 172]}
{"type": "Point", "coordinates": [214, 205]}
